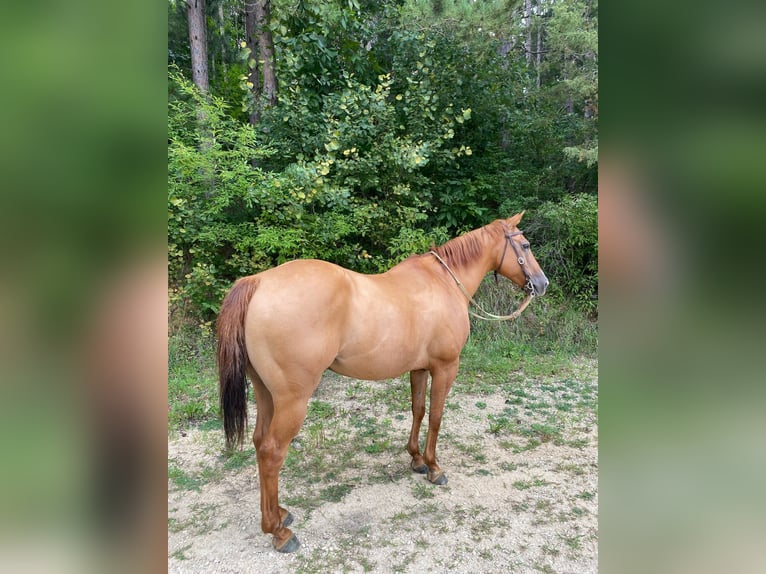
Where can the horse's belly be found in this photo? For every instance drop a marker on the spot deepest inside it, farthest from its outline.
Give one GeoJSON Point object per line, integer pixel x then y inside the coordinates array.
{"type": "Point", "coordinates": [378, 366]}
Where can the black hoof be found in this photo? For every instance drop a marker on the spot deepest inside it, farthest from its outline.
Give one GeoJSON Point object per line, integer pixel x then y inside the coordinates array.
{"type": "Point", "coordinates": [439, 480]}
{"type": "Point", "coordinates": [290, 546]}
{"type": "Point", "coordinates": [288, 519]}
{"type": "Point", "coordinates": [422, 469]}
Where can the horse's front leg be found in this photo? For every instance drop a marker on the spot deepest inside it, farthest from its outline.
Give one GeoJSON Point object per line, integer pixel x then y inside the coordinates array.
{"type": "Point", "coordinates": [442, 378]}
{"type": "Point", "coordinates": [418, 381]}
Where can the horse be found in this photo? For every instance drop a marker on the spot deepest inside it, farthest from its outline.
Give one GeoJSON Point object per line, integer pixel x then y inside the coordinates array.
{"type": "Point", "coordinates": [285, 326]}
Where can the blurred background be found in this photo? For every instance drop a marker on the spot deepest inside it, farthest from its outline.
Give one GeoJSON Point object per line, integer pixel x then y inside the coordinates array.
{"type": "Point", "coordinates": [681, 331]}
{"type": "Point", "coordinates": [84, 293]}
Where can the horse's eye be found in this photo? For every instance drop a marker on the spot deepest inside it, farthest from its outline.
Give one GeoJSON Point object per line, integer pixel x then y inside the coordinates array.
{"type": "Point", "coordinates": [525, 246]}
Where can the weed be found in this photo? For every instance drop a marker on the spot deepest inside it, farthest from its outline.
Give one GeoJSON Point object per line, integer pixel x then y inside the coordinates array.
{"type": "Point", "coordinates": [550, 550]}
{"type": "Point", "coordinates": [474, 450]}
{"type": "Point", "coordinates": [192, 391]}
{"type": "Point", "coordinates": [183, 480]}
{"type": "Point", "coordinates": [318, 410]}
{"type": "Point", "coordinates": [542, 432]}
{"type": "Point", "coordinates": [527, 484]}
{"type": "Point", "coordinates": [236, 459]}
{"type": "Point", "coordinates": [577, 511]}
{"type": "Point", "coordinates": [422, 491]}
{"type": "Point", "coordinates": [578, 442]}
{"type": "Point", "coordinates": [180, 554]}
{"type": "Point", "coordinates": [335, 493]}
{"type": "Point", "coordinates": [573, 469]}
{"type": "Point", "coordinates": [500, 424]}
{"type": "Point", "coordinates": [573, 541]}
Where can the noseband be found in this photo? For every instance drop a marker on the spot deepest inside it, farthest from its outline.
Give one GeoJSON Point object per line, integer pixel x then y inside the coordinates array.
{"type": "Point", "coordinates": [529, 287]}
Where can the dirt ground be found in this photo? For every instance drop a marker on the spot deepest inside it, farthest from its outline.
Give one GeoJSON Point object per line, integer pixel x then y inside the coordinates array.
{"type": "Point", "coordinates": [522, 495]}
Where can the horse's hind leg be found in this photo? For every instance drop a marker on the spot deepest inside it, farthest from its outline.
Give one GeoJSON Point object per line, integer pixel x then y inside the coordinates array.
{"type": "Point", "coordinates": [441, 381]}
{"type": "Point", "coordinates": [418, 381]}
{"type": "Point", "coordinates": [264, 414]}
{"type": "Point", "coordinates": [288, 416]}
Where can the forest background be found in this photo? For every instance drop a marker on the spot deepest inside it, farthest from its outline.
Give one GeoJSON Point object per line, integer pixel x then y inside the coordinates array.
{"type": "Point", "coordinates": [363, 132]}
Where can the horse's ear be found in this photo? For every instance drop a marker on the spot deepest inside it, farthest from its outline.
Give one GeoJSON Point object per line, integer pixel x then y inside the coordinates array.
{"type": "Point", "coordinates": [515, 220]}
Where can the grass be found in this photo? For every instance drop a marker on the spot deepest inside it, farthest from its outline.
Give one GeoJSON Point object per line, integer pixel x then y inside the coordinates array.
{"type": "Point", "coordinates": [527, 484]}
{"type": "Point", "coordinates": [192, 378]}
{"type": "Point", "coordinates": [421, 490]}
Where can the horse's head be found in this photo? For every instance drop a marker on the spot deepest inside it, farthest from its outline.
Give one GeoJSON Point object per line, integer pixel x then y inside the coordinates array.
{"type": "Point", "coordinates": [516, 261]}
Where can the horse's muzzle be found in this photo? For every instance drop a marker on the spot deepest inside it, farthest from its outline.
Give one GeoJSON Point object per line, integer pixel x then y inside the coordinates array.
{"type": "Point", "coordinates": [536, 286]}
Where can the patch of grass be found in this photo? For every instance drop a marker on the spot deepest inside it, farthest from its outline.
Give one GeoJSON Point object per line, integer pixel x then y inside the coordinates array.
{"type": "Point", "coordinates": [578, 442]}
{"type": "Point", "coordinates": [550, 550]}
{"type": "Point", "coordinates": [578, 512]}
{"type": "Point", "coordinates": [586, 495]}
{"type": "Point", "coordinates": [421, 491]}
{"type": "Point", "coordinates": [542, 432]}
{"type": "Point", "coordinates": [201, 521]}
{"type": "Point", "coordinates": [474, 450]}
{"type": "Point", "coordinates": [180, 554]}
{"type": "Point", "coordinates": [239, 459]}
{"type": "Point", "coordinates": [373, 434]}
{"type": "Point", "coordinates": [334, 493]}
{"type": "Point", "coordinates": [319, 410]}
{"type": "Point", "coordinates": [182, 479]}
{"type": "Point", "coordinates": [500, 424]}
{"type": "Point", "coordinates": [516, 448]}
{"type": "Point", "coordinates": [192, 376]}
{"type": "Point", "coordinates": [527, 484]}
{"type": "Point", "coordinates": [571, 468]}
{"type": "Point", "coordinates": [572, 541]}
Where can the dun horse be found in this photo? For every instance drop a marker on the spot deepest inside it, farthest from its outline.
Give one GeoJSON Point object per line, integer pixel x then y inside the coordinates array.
{"type": "Point", "coordinates": [283, 327]}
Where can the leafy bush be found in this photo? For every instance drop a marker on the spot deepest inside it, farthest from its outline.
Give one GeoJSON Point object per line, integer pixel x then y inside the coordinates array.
{"type": "Point", "coordinates": [565, 234]}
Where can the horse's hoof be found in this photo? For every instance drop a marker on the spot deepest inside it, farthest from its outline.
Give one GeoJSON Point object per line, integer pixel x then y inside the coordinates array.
{"type": "Point", "coordinates": [422, 469]}
{"type": "Point", "coordinates": [439, 479]}
{"type": "Point", "coordinates": [288, 519]}
{"type": "Point", "coordinates": [291, 545]}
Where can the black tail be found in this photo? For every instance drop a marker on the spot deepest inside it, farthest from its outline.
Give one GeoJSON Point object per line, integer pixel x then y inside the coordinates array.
{"type": "Point", "coordinates": [232, 359]}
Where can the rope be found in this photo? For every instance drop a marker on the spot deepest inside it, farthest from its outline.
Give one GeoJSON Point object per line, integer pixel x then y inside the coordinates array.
{"type": "Point", "coordinates": [487, 315]}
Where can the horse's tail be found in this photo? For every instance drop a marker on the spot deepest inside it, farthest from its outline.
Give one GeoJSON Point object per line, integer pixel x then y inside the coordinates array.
{"type": "Point", "coordinates": [232, 359]}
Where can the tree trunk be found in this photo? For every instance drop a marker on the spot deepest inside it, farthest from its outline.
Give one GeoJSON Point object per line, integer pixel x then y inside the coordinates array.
{"type": "Point", "coordinates": [261, 64]}
{"type": "Point", "coordinates": [195, 10]}
{"type": "Point", "coordinates": [528, 14]}
{"type": "Point", "coordinates": [254, 74]}
{"type": "Point", "coordinates": [266, 44]}
{"type": "Point", "coordinates": [539, 51]}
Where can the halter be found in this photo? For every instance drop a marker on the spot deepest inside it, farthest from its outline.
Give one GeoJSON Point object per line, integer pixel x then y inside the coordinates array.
{"type": "Point", "coordinates": [529, 288]}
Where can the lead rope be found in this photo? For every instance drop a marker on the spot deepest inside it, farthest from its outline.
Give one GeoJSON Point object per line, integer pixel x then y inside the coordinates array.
{"type": "Point", "coordinates": [487, 315]}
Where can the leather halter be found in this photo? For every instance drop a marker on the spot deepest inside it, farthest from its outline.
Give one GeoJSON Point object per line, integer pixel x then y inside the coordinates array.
{"type": "Point", "coordinates": [529, 287]}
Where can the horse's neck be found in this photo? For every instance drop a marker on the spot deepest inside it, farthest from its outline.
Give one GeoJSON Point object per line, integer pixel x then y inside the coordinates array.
{"type": "Point", "coordinates": [473, 272]}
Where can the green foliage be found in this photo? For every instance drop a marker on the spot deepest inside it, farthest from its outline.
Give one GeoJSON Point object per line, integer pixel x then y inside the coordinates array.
{"type": "Point", "coordinates": [567, 234]}
{"type": "Point", "coordinates": [398, 125]}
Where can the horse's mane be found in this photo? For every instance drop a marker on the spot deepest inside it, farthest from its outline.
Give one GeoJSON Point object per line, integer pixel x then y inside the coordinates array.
{"type": "Point", "coordinates": [464, 249]}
